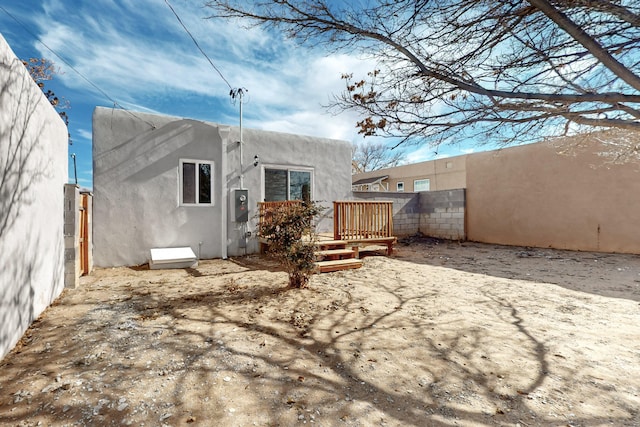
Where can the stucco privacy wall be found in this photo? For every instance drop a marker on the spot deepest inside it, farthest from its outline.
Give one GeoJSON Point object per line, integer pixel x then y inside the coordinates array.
{"type": "Point", "coordinates": [33, 170]}
{"type": "Point", "coordinates": [434, 213]}
{"type": "Point", "coordinates": [136, 182]}
{"type": "Point", "coordinates": [532, 196]}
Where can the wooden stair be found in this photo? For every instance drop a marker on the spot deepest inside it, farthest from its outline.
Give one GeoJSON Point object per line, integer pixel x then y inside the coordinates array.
{"type": "Point", "coordinates": [333, 255]}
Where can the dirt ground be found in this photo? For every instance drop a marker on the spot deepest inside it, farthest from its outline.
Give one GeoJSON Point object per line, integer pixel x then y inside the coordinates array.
{"type": "Point", "coordinates": [439, 334]}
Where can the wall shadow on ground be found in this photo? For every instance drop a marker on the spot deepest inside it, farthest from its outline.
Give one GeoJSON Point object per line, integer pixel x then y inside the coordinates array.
{"type": "Point", "coordinates": [604, 274]}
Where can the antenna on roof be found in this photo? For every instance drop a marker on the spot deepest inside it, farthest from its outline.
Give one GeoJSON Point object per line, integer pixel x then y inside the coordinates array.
{"type": "Point", "coordinates": [239, 94]}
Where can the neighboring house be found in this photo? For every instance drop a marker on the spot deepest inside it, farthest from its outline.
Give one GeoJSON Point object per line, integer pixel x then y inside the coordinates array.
{"type": "Point", "coordinates": [163, 181]}
{"type": "Point", "coordinates": [374, 183]}
{"type": "Point", "coordinates": [432, 175]}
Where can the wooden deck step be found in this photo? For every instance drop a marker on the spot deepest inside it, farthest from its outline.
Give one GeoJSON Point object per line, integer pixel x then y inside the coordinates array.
{"type": "Point", "coordinates": [330, 254]}
{"type": "Point", "coordinates": [386, 241]}
{"type": "Point", "coordinates": [335, 244]}
{"type": "Point", "coordinates": [338, 264]}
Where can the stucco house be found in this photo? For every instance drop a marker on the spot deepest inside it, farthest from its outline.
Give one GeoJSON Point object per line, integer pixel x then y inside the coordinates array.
{"type": "Point", "coordinates": [162, 181]}
{"type": "Point", "coordinates": [431, 175]}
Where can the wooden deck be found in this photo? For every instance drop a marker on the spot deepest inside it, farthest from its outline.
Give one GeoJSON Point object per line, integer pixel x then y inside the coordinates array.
{"type": "Point", "coordinates": [356, 226]}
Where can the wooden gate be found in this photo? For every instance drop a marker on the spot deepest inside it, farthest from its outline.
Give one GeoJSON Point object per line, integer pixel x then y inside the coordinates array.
{"type": "Point", "coordinates": [83, 235]}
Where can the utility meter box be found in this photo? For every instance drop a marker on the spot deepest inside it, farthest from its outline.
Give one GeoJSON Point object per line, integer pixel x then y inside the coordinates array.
{"type": "Point", "coordinates": [240, 205]}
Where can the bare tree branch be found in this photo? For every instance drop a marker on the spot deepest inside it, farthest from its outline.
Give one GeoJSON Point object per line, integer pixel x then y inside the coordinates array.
{"type": "Point", "coordinates": [495, 70]}
{"type": "Point", "coordinates": [587, 41]}
{"type": "Point", "coordinates": [374, 156]}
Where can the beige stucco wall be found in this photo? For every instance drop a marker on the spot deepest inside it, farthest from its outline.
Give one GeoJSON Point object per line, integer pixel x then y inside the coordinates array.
{"type": "Point", "coordinates": [443, 174]}
{"type": "Point", "coordinates": [532, 196]}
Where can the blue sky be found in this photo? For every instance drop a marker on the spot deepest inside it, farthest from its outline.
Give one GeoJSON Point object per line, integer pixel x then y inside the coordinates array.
{"type": "Point", "coordinates": [139, 56]}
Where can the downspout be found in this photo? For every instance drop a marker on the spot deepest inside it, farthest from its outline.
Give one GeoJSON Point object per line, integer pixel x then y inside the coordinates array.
{"type": "Point", "coordinates": [224, 202]}
{"type": "Point", "coordinates": [241, 144]}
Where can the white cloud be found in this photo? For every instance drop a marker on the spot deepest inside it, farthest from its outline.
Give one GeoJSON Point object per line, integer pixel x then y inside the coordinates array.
{"type": "Point", "coordinates": [421, 154]}
{"type": "Point", "coordinates": [427, 152]}
{"type": "Point", "coordinates": [301, 92]}
{"type": "Point", "coordinates": [288, 85]}
{"type": "Point", "coordinates": [84, 134]}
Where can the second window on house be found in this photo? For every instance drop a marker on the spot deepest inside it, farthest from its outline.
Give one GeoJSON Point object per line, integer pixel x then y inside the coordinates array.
{"type": "Point", "coordinates": [287, 184]}
{"type": "Point", "coordinates": [196, 182]}
{"type": "Point", "coordinates": [421, 185]}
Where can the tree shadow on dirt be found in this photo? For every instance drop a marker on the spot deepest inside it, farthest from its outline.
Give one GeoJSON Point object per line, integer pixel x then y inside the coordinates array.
{"type": "Point", "coordinates": [322, 354]}
{"type": "Point", "coordinates": [24, 166]}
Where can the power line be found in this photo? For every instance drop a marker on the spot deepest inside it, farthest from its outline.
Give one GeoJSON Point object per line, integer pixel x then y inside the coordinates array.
{"type": "Point", "coordinates": [106, 95]}
{"type": "Point", "coordinates": [197, 44]}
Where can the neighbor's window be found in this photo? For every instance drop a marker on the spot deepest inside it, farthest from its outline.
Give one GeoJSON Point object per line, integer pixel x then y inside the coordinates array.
{"type": "Point", "coordinates": [287, 184]}
{"type": "Point", "coordinates": [421, 185]}
{"type": "Point", "coordinates": [400, 187]}
{"type": "Point", "coordinates": [196, 182]}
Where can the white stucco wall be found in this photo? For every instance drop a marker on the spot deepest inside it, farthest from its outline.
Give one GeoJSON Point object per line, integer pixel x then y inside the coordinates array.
{"type": "Point", "coordinates": [329, 159]}
{"type": "Point", "coordinates": [135, 185]}
{"type": "Point", "coordinates": [136, 178]}
{"type": "Point", "coordinates": [33, 170]}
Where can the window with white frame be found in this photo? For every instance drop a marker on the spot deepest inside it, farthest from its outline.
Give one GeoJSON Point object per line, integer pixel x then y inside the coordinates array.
{"type": "Point", "coordinates": [196, 182]}
{"type": "Point", "coordinates": [400, 187]}
{"type": "Point", "coordinates": [287, 184]}
{"type": "Point", "coordinates": [421, 185]}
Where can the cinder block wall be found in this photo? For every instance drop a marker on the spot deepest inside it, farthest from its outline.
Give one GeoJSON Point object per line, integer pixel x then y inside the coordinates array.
{"type": "Point", "coordinates": [434, 213]}
{"type": "Point", "coordinates": [406, 209]}
{"type": "Point", "coordinates": [71, 244]}
{"type": "Point", "coordinates": [406, 215]}
{"type": "Point", "coordinates": [442, 214]}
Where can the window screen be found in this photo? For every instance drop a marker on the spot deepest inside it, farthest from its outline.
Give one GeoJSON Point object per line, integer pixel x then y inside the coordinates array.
{"type": "Point", "coordinates": [421, 185]}
{"type": "Point", "coordinates": [196, 182]}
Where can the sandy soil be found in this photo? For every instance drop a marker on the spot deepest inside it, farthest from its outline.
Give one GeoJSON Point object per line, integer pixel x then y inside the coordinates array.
{"type": "Point", "coordinates": [440, 334]}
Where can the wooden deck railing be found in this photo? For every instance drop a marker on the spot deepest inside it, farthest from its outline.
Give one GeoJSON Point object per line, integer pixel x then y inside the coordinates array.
{"type": "Point", "coordinates": [356, 220]}
{"type": "Point", "coordinates": [352, 220]}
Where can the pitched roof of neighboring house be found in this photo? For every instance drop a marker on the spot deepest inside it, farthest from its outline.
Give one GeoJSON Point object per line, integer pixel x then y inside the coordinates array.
{"type": "Point", "coordinates": [371, 180]}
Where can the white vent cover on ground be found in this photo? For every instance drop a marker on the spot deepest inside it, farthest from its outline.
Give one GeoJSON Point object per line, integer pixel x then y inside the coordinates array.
{"type": "Point", "coordinates": [172, 258]}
